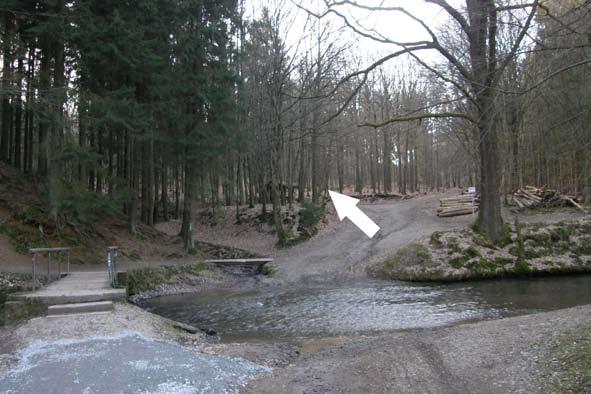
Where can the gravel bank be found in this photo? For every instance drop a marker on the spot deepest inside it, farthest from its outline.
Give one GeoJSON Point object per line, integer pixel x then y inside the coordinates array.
{"type": "Point", "coordinates": [513, 355]}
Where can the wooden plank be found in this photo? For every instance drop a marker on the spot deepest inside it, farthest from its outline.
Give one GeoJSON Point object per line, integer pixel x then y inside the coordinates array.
{"type": "Point", "coordinates": [261, 261]}
{"type": "Point", "coordinates": [40, 250]}
{"type": "Point", "coordinates": [457, 206]}
{"type": "Point", "coordinates": [458, 212]}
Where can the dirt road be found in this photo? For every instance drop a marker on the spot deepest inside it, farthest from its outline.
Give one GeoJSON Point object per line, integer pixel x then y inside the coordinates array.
{"type": "Point", "coordinates": [343, 251]}
{"type": "Point", "coordinates": [501, 356]}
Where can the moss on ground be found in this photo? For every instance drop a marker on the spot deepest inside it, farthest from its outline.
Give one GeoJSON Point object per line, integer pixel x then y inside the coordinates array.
{"type": "Point", "coordinates": [412, 255]}
{"type": "Point", "coordinates": [458, 262]}
{"type": "Point", "coordinates": [29, 231]}
{"type": "Point", "coordinates": [571, 373]}
{"type": "Point", "coordinates": [436, 239]}
{"type": "Point", "coordinates": [526, 250]}
{"type": "Point", "coordinates": [140, 280]}
{"type": "Point", "coordinates": [12, 283]}
{"type": "Point", "coordinates": [13, 312]}
{"type": "Point", "coordinates": [268, 270]}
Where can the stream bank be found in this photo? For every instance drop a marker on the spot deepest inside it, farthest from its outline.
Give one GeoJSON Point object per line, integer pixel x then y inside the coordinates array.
{"type": "Point", "coordinates": [532, 249]}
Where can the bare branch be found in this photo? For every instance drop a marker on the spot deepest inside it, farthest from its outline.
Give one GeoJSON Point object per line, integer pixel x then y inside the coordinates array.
{"type": "Point", "coordinates": [518, 41]}
{"type": "Point", "coordinates": [420, 117]}
{"type": "Point", "coordinates": [515, 7]}
{"type": "Point", "coordinates": [453, 13]}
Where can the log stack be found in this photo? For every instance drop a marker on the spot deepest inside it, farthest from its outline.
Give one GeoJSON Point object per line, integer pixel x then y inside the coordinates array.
{"type": "Point", "coordinates": [461, 205]}
{"type": "Point", "coordinates": [533, 197]}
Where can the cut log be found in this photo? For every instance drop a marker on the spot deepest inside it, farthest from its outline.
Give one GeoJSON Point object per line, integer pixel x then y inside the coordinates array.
{"type": "Point", "coordinates": [457, 211]}
{"type": "Point", "coordinates": [532, 197]}
{"type": "Point", "coordinates": [573, 203]}
{"type": "Point", "coordinates": [444, 202]}
{"type": "Point", "coordinates": [457, 206]}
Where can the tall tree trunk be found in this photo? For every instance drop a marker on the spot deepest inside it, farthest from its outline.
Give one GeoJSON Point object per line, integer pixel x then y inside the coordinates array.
{"type": "Point", "coordinates": [187, 224]}
{"type": "Point", "coordinates": [7, 55]}
{"type": "Point", "coordinates": [55, 169]}
{"type": "Point", "coordinates": [340, 164]}
{"type": "Point", "coordinates": [315, 170]}
{"type": "Point", "coordinates": [387, 161]}
{"type": "Point", "coordinates": [28, 164]}
{"type": "Point", "coordinates": [18, 116]}
{"type": "Point", "coordinates": [164, 192]}
{"type": "Point", "coordinates": [489, 215]}
{"type": "Point", "coordinates": [133, 185]}
{"type": "Point", "coordinates": [302, 178]}
{"type": "Point", "coordinates": [358, 172]}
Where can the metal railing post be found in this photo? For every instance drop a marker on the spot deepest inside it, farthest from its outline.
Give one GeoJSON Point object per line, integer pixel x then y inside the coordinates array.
{"type": "Point", "coordinates": [112, 264]}
{"type": "Point", "coordinates": [49, 252]}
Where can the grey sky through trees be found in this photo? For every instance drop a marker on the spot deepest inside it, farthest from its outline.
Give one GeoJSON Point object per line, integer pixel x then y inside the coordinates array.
{"type": "Point", "coordinates": [392, 25]}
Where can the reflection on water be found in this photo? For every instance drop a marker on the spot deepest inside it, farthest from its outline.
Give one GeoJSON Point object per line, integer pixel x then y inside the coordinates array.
{"type": "Point", "coordinates": [368, 307]}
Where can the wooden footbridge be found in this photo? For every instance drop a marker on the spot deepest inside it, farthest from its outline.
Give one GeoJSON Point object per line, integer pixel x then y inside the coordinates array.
{"type": "Point", "coordinates": [68, 292]}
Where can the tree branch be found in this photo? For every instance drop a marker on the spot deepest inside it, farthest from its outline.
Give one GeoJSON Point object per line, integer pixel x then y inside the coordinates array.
{"type": "Point", "coordinates": [420, 117]}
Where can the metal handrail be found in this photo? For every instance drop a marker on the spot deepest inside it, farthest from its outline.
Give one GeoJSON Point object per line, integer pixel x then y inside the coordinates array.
{"type": "Point", "coordinates": [48, 251]}
{"type": "Point", "coordinates": [112, 264]}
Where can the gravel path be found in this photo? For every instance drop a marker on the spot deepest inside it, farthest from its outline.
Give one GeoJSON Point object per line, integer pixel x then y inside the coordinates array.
{"type": "Point", "coordinates": [342, 251]}
{"type": "Point", "coordinates": [500, 356]}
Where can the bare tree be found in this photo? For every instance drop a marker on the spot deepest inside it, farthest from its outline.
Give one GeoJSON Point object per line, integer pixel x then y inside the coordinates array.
{"type": "Point", "coordinates": [475, 75]}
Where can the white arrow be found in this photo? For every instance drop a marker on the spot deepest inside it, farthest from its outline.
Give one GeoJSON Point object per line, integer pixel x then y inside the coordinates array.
{"type": "Point", "coordinates": [347, 207]}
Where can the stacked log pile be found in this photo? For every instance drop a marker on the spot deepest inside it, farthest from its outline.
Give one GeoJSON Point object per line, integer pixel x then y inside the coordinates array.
{"type": "Point", "coordinates": [461, 205]}
{"type": "Point", "coordinates": [533, 197]}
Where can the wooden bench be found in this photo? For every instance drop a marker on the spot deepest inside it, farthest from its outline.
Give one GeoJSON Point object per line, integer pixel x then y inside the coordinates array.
{"type": "Point", "coordinates": [255, 264]}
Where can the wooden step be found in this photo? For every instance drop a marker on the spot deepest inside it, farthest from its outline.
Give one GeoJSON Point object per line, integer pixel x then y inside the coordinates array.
{"type": "Point", "coordinates": [81, 307]}
{"type": "Point", "coordinates": [71, 296]}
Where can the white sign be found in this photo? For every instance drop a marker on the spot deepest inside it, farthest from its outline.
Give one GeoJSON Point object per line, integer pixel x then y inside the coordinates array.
{"type": "Point", "coordinates": [472, 189]}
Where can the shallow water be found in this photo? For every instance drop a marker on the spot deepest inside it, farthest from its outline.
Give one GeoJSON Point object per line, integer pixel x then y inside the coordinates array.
{"type": "Point", "coordinates": [367, 308]}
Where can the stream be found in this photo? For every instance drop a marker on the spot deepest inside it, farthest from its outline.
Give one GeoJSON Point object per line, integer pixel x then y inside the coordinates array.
{"type": "Point", "coordinates": [366, 308]}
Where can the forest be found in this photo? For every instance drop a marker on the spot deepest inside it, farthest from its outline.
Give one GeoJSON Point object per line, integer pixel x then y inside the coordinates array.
{"type": "Point", "coordinates": [151, 108]}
